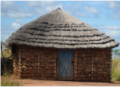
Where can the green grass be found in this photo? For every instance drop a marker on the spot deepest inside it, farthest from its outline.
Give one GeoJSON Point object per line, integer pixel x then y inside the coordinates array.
{"type": "Point", "coordinates": [115, 69]}
{"type": "Point", "coordinates": [5, 82]}
{"type": "Point", "coordinates": [6, 79]}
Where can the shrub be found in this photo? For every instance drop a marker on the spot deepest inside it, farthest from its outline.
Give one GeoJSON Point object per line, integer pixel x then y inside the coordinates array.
{"type": "Point", "coordinates": [6, 53]}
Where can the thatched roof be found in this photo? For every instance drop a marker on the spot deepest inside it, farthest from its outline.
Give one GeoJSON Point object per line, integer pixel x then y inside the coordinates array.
{"type": "Point", "coordinates": [59, 29]}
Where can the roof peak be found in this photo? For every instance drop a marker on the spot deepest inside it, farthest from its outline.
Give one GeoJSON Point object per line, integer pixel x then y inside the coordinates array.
{"type": "Point", "coordinates": [58, 8]}
{"type": "Point", "coordinates": [59, 16]}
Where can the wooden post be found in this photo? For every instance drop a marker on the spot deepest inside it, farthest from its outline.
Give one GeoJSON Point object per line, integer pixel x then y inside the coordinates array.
{"type": "Point", "coordinates": [1, 50]}
{"type": "Point", "coordinates": [110, 66]}
{"type": "Point", "coordinates": [92, 68]}
{"type": "Point", "coordinates": [75, 65]}
{"type": "Point", "coordinates": [39, 64]}
{"type": "Point", "coordinates": [55, 64]}
{"type": "Point", "coordinates": [20, 61]}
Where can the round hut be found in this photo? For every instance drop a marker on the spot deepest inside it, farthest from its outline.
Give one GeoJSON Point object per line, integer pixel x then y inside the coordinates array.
{"type": "Point", "coordinates": [58, 46]}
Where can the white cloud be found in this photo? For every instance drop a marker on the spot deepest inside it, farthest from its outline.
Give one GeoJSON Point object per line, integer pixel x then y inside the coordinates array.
{"type": "Point", "coordinates": [4, 37]}
{"type": "Point", "coordinates": [53, 7]}
{"type": "Point", "coordinates": [91, 10]}
{"type": "Point", "coordinates": [11, 9]}
{"type": "Point", "coordinates": [116, 15]}
{"type": "Point", "coordinates": [81, 14]}
{"type": "Point", "coordinates": [108, 27]}
{"type": "Point", "coordinates": [19, 20]}
{"type": "Point", "coordinates": [32, 3]}
{"type": "Point", "coordinates": [42, 7]}
{"type": "Point", "coordinates": [16, 15]}
{"type": "Point", "coordinates": [114, 7]}
{"type": "Point", "coordinates": [7, 3]}
{"type": "Point", "coordinates": [111, 4]}
{"type": "Point", "coordinates": [39, 3]}
{"type": "Point", "coordinates": [113, 31]}
{"type": "Point", "coordinates": [15, 25]}
{"type": "Point", "coordinates": [45, 3]}
{"type": "Point", "coordinates": [6, 31]}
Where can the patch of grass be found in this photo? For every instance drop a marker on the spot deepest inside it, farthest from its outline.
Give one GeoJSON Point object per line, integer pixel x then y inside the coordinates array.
{"type": "Point", "coordinates": [7, 82]}
{"type": "Point", "coordinates": [116, 69]}
{"type": "Point", "coordinates": [7, 74]}
{"type": "Point", "coordinates": [6, 79]}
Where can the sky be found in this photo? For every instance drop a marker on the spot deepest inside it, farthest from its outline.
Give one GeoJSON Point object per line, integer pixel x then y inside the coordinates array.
{"type": "Point", "coordinates": [102, 15]}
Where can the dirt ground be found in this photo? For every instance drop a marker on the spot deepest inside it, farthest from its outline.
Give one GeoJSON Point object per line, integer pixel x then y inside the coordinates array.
{"type": "Point", "coordinates": [29, 82]}
{"type": "Point", "coordinates": [33, 82]}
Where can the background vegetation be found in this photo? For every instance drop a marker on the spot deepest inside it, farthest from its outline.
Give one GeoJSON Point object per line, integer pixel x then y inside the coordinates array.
{"type": "Point", "coordinates": [6, 79]}
{"type": "Point", "coordinates": [116, 65]}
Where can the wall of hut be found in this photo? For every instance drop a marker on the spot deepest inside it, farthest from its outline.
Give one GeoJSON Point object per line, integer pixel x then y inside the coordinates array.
{"type": "Point", "coordinates": [41, 63]}
{"type": "Point", "coordinates": [92, 65]}
{"type": "Point", "coordinates": [35, 62]}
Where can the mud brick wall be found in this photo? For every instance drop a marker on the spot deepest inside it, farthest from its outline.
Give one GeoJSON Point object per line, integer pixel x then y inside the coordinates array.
{"type": "Point", "coordinates": [48, 57]}
{"type": "Point", "coordinates": [36, 63]}
{"type": "Point", "coordinates": [16, 61]}
{"type": "Point", "coordinates": [92, 65]}
{"type": "Point", "coordinates": [29, 62]}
